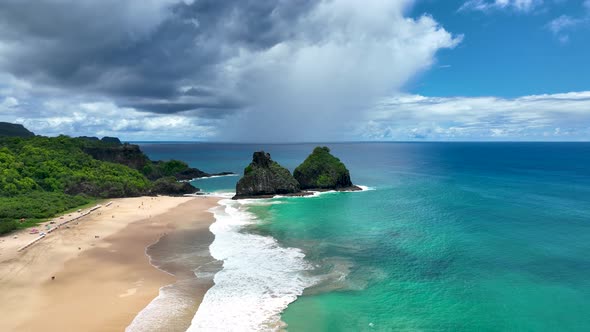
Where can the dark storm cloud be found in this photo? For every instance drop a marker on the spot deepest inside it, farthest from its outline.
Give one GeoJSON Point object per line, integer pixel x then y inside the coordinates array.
{"type": "Point", "coordinates": [252, 23]}
{"type": "Point", "coordinates": [258, 70]}
{"type": "Point", "coordinates": [208, 109]}
{"type": "Point", "coordinates": [199, 91]}
{"type": "Point", "coordinates": [128, 50]}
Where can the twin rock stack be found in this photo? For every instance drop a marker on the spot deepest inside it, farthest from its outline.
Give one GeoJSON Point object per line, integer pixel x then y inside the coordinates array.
{"type": "Point", "coordinates": [321, 171]}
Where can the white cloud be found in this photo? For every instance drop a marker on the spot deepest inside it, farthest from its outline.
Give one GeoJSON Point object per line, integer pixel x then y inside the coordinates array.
{"type": "Point", "coordinates": [9, 102]}
{"type": "Point", "coordinates": [562, 26]}
{"type": "Point", "coordinates": [563, 116]}
{"type": "Point", "coordinates": [487, 5]}
{"type": "Point", "coordinates": [345, 56]}
{"type": "Point", "coordinates": [535, 117]}
{"type": "Point", "coordinates": [562, 23]}
{"type": "Point", "coordinates": [8, 106]}
{"type": "Point", "coordinates": [57, 116]}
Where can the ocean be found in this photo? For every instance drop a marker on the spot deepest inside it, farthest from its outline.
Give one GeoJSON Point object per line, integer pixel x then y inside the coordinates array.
{"type": "Point", "coordinates": [446, 237]}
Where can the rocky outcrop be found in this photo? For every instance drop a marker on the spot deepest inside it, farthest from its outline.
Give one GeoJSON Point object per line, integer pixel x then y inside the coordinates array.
{"type": "Point", "coordinates": [112, 150]}
{"type": "Point", "coordinates": [195, 173]}
{"type": "Point", "coordinates": [89, 138]}
{"type": "Point", "coordinates": [190, 174]}
{"type": "Point", "coordinates": [111, 140]}
{"type": "Point", "coordinates": [265, 178]}
{"type": "Point", "coordinates": [127, 154]}
{"type": "Point", "coordinates": [322, 171]}
{"type": "Point", "coordinates": [14, 130]}
{"type": "Point", "coordinates": [170, 187]}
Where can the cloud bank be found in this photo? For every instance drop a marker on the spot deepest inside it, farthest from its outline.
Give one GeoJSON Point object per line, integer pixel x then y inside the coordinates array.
{"type": "Point", "coordinates": [248, 70]}
{"type": "Point", "coordinates": [555, 117]}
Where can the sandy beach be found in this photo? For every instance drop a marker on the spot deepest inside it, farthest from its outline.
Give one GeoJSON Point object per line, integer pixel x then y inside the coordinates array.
{"type": "Point", "coordinates": [103, 277]}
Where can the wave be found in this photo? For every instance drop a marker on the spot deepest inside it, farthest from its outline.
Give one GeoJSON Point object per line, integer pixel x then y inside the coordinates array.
{"type": "Point", "coordinates": [210, 177]}
{"type": "Point", "coordinates": [366, 188]}
{"type": "Point", "coordinates": [315, 193]}
{"type": "Point", "coordinates": [216, 176]}
{"type": "Point", "coordinates": [258, 280]}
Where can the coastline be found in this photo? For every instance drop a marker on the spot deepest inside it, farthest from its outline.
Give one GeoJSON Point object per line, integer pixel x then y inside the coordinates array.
{"type": "Point", "coordinates": [259, 279]}
{"type": "Point", "coordinates": [103, 275]}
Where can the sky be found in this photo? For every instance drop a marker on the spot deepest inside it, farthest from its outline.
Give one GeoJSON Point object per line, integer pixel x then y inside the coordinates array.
{"type": "Point", "coordinates": [298, 70]}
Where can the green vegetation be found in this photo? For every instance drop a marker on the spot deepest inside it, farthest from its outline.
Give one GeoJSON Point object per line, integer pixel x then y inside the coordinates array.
{"type": "Point", "coordinates": [23, 211]}
{"type": "Point", "coordinates": [59, 165]}
{"type": "Point", "coordinates": [321, 170]}
{"type": "Point", "coordinates": [28, 210]}
{"type": "Point", "coordinates": [160, 169]}
{"type": "Point", "coordinates": [265, 177]}
{"type": "Point", "coordinates": [7, 226]}
{"type": "Point", "coordinates": [38, 205]}
{"type": "Point", "coordinates": [41, 177]}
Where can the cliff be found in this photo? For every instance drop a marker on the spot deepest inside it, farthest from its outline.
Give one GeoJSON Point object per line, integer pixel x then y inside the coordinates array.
{"type": "Point", "coordinates": [14, 130]}
{"type": "Point", "coordinates": [265, 178]}
{"type": "Point", "coordinates": [111, 140]}
{"type": "Point", "coordinates": [322, 171]}
{"type": "Point", "coordinates": [112, 150]}
{"type": "Point", "coordinates": [129, 155]}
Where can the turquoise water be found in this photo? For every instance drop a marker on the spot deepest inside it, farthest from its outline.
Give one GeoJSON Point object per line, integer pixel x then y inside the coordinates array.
{"type": "Point", "coordinates": [452, 236]}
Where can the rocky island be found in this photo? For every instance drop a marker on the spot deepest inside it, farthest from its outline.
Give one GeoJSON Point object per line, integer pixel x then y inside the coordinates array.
{"type": "Point", "coordinates": [321, 171]}
{"type": "Point", "coordinates": [264, 177]}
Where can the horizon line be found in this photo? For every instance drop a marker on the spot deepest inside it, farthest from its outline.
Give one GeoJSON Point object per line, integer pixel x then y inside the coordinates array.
{"type": "Point", "coordinates": [346, 142]}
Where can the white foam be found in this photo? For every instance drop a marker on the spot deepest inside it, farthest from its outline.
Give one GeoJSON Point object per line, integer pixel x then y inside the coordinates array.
{"type": "Point", "coordinates": [220, 194]}
{"type": "Point", "coordinates": [210, 177]}
{"type": "Point", "coordinates": [366, 188]}
{"type": "Point", "coordinates": [216, 176]}
{"type": "Point", "coordinates": [315, 193]}
{"type": "Point", "coordinates": [258, 280]}
{"type": "Point", "coordinates": [156, 315]}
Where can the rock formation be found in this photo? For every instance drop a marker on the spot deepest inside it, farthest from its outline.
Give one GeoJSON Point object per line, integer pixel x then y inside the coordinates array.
{"type": "Point", "coordinates": [322, 171]}
{"type": "Point", "coordinates": [265, 178]}
{"type": "Point", "coordinates": [111, 140]}
{"type": "Point", "coordinates": [128, 154]}
{"type": "Point", "coordinates": [14, 130]}
{"type": "Point", "coordinates": [170, 187]}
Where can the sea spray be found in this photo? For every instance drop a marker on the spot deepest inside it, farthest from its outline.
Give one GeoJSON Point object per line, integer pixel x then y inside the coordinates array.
{"type": "Point", "coordinates": [258, 280]}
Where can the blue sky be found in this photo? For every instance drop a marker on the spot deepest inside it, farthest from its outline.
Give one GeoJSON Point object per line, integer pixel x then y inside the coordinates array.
{"type": "Point", "coordinates": [509, 52]}
{"type": "Point", "coordinates": [298, 70]}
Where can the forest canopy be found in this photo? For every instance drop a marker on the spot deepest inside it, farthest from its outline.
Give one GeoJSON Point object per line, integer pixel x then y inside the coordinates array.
{"type": "Point", "coordinates": [43, 176]}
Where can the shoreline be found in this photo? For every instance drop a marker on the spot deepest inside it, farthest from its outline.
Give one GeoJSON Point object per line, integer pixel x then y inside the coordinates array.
{"type": "Point", "coordinates": [302, 193]}
{"type": "Point", "coordinates": [259, 279]}
{"type": "Point", "coordinates": [103, 273]}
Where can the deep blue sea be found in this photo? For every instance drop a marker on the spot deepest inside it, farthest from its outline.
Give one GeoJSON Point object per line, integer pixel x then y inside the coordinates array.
{"type": "Point", "coordinates": [449, 237]}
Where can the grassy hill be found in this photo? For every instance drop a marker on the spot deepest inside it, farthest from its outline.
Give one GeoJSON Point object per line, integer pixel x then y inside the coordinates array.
{"type": "Point", "coordinates": [44, 176]}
